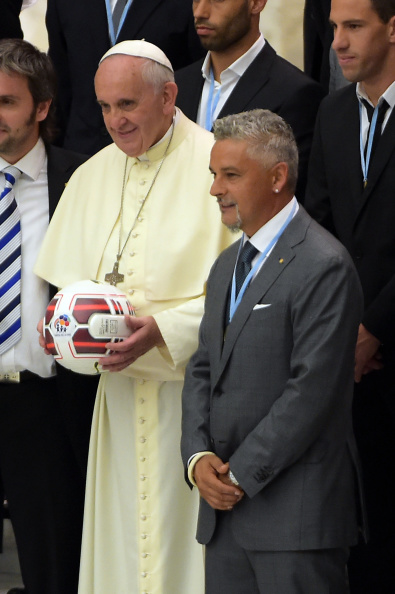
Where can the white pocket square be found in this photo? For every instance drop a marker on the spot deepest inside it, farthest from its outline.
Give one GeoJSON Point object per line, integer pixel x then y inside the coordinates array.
{"type": "Point", "coordinates": [261, 305]}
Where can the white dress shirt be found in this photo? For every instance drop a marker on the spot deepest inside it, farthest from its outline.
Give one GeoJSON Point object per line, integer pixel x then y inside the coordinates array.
{"type": "Point", "coordinates": [31, 193]}
{"type": "Point", "coordinates": [228, 80]}
{"type": "Point", "coordinates": [388, 95]}
{"type": "Point", "coordinates": [261, 239]}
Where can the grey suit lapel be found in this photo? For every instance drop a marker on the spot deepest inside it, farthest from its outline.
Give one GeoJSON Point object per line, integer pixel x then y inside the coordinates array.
{"type": "Point", "coordinates": [282, 254]}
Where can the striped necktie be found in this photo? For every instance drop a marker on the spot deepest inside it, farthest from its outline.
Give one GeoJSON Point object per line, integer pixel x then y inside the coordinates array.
{"type": "Point", "coordinates": [10, 263]}
{"type": "Point", "coordinates": [117, 15]}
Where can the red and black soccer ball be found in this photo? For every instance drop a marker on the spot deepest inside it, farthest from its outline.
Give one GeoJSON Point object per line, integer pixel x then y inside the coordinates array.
{"type": "Point", "coordinates": [81, 319]}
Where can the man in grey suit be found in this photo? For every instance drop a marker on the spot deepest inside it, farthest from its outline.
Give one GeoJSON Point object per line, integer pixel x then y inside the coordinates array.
{"type": "Point", "coordinates": [267, 434]}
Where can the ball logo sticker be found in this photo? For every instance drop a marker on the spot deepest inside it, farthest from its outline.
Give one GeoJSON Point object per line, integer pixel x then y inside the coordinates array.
{"type": "Point", "coordinates": [63, 326]}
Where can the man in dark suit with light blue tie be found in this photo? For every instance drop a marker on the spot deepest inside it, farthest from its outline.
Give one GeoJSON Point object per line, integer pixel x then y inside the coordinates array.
{"type": "Point", "coordinates": [81, 31]}
{"type": "Point", "coordinates": [267, 432]}
{"type": "Point", "coordinates": [351, 192]}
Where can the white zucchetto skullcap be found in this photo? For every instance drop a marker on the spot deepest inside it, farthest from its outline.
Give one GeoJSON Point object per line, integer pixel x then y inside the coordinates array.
{"type": "Point", "coordinates": [139, 48]}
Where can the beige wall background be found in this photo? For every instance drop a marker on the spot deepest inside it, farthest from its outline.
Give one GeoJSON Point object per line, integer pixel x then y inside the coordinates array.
{"type": "Point", "coordinates": [281, 23]}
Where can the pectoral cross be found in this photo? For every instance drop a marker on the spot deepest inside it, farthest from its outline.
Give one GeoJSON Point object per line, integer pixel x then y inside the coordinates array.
{"type": "Point", "coordinates": [114, 277]}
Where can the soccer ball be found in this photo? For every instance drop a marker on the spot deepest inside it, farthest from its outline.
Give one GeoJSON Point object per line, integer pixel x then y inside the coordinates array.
{"type": "Point", "coordinates": [81, 319]}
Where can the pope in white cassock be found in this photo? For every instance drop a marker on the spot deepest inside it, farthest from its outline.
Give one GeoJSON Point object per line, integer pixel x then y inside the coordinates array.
{"type": "Point", "coordinates": [139, 214]}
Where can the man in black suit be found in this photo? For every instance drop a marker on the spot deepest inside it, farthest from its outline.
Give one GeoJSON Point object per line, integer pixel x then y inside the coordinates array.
{"type": "Point", "coordinates": [317, 40]}
{"type": "Point", "coordinates": [242, 72]}
{"type": "Point", "coordinates": [351, 192]}
{"type": "Point", "coordinates": [10, 25]}
{"type": "Point", "coordinates": [39, 472]}
{"type": "Point", "coordinates": [81, 31]}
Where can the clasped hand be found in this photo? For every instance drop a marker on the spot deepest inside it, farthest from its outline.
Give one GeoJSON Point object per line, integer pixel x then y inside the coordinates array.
{"type": "Point", "coordinates": [211, 476]}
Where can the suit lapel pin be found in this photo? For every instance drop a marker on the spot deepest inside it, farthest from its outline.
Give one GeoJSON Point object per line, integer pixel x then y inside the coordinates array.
{"type": "Point", "coordinates": [281, 261]}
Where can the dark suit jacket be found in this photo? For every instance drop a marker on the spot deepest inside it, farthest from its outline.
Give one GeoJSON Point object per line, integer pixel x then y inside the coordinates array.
{"type": "Point", "coordinates": [363, 219]}
{"type": "Point", "coordinates": [78, 38]}
{"type": "Point", "coordinates": [76, 393]}
{"type": "Point", "coordinates": [272, 83]}
{"type": "Point", "coordinates": [45, 487]}
{"type": "Point", "coordinates": [317, 37]}
{"type": "Point", "coordinates": [272, 398]}
{"type": "Point", "coordinates": [10, 25]}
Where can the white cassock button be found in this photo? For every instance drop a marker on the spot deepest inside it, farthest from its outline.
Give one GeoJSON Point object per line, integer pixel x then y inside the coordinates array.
{"type": "Point", "coordinates": [131, 254]}
{"type": "Point", "coordinates": [143, 517]}
{"type": "Point", "coordinates": [141, 401]}
{"type": "Point", "coordinates": [142, 496]}
{"type": "Point", "coordinates": [144, 574]}
{"type": "Point", "coordinates": [131, 291]}
{"type": "Point", "coordinates": [142, 182]}
{"type": "Point", "coordinates": [142, 440]}
{"type": "Point", "coordinates": [130, 272]}
{"type": "Point", "coordinates": [143, 536]}
{"type": "Point", "coordinates": [142, 459]}
{"type": "Point", "coordinates": [142, 477]}
{"type": "Point", "coordinates": [144, 555]}
{"type": "Point", "coordinates": [141, 420]}
{"type": "Point", "coordinates": [134, 235]}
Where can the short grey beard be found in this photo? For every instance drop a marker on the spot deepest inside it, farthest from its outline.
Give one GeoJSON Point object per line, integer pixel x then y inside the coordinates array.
{"type": "Point", "coordinates": [235, 228]}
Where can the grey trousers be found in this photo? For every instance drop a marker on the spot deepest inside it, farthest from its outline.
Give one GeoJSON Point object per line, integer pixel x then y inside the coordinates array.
{"type": "Point", "coordinates": [230, 569]}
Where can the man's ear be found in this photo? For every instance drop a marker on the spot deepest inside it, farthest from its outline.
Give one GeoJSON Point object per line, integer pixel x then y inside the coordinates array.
{"type": "Point", "coordinates": [391, 29]}
{"type": "Point", "coordinates": [256, 6]}
{"type": "Point", "coordinates": [169, 97]}
{"type": "Point", "coordinates": [42, 110]}
{"type": "Point", "coordinates": [280, 177]}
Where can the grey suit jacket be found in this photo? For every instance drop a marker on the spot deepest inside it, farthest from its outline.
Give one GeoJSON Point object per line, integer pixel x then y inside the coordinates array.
{"type": "Point", "coordinates": [274, 397]}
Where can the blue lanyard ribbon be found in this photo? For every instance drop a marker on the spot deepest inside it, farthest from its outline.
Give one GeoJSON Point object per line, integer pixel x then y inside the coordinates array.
{"type": "Point", "coordinates": [234, 303]}
{"type": "Point", "coordinates": [365, 161]}
{"type": "Point", "coordinates": [212, 102]}
{"type": "Point", "coordinates": [114, 34]}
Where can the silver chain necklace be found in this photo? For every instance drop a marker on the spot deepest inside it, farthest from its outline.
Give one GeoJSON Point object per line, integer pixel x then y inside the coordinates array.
{"type": "Point", "coordinates": [115, 276]}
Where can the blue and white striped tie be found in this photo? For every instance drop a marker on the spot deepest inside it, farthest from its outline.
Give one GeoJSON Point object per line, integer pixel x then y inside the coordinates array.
{"type": "Point", "coordinates": [10, 263]}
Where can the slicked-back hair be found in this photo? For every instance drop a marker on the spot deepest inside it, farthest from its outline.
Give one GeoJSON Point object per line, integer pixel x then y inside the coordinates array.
{"type": "Point", "coordinates": [270, 139]}
{"type": "Point", "coordinates": [384, 8]}
{"type": "Point", "coordinates": [18, 57]}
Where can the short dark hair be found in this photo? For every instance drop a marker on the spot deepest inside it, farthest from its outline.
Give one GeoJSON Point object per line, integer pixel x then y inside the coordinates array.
{"type": "Point", "coordinates": [24, 59]}
{"type": "Point", "coordinates": [384, 8]}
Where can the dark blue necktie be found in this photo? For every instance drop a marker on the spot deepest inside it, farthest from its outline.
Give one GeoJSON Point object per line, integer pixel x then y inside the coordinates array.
{"type": "Point", "coordinates": [243, 265]}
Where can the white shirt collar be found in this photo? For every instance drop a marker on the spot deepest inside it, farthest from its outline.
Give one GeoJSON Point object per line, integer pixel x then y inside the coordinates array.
{"type": "Point", "coordinates": [240, 65]}
{"type": "Point", "coordinates": [32, 163]}
{"type": "Point", "coordinates": [388, 95]}
{"type": "Point", "coordinates": [265, 234]}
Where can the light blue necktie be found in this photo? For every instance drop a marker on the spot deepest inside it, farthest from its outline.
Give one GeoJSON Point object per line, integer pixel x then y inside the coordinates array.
{"type": "Point", "coordinates": [10, 263]}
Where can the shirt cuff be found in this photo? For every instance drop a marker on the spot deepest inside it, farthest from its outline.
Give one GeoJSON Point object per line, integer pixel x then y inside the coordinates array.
{"type": "Point", "coordinates": [193, 460]}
